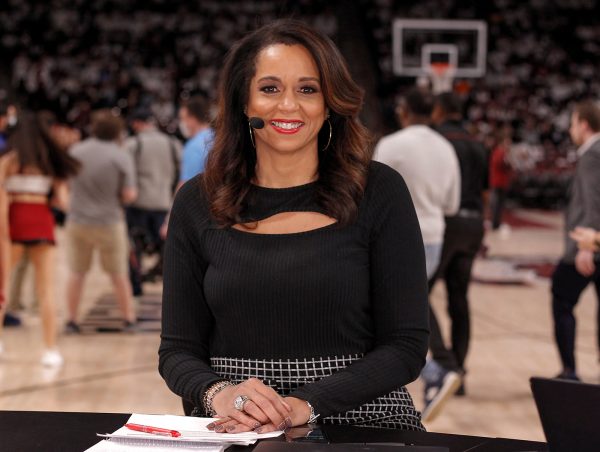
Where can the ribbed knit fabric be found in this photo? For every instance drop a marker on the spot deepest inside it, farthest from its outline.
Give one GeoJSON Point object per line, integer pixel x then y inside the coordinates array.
{"type": "Point", "coordinates": [359, 290]}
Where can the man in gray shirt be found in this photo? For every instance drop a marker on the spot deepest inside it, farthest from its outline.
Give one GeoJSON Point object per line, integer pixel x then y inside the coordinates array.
{"type": "Point", "coordinates": [156, 158]}
{"type": "Point", "coordinates": [96, 219]}
{"type": "Point", "coordinates": [578, 267]}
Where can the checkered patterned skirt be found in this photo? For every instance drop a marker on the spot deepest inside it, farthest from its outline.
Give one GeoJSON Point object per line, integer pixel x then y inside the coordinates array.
{"type": "Point", "coordinates": [393, 410]}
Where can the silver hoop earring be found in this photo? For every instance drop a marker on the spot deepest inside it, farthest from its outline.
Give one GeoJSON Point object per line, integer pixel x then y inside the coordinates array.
{"type": "Point", "coordinates": [330, 133]}
{"type": "Point", "coordinates": [251, 135]}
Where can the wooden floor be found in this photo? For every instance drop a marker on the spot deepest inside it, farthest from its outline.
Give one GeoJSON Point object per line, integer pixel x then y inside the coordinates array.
{"type": "Point", "coordinates": [512, 341]}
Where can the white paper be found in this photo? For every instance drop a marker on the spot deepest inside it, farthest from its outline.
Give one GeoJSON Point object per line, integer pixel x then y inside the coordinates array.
{"type": "Point", "coordinates": [193, 432]}
{"type": "Point", "coordinates": [113, 446]}
{"type": "Point", "coordinates": [192, 428]}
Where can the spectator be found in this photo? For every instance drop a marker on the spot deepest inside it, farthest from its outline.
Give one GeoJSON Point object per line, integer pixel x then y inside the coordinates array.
{"type": "Point", "coordinates": [194, 123]}
{"type": "Point", "coordinates": [430, 167]}
{"type": "Point", "coordinates": [96, 217]}
{"type": "Point", "coordinates": [463, 236]}
{"type": "Point", "coordinates": [156, 157]}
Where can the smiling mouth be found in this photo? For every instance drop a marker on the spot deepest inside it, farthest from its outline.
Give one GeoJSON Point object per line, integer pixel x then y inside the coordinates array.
{"type": "Point", "coordinates": [287, 125]}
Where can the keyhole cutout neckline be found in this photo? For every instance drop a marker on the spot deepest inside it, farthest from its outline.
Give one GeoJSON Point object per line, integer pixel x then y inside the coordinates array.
{"type": "Point", "coordinates": [283, 211]}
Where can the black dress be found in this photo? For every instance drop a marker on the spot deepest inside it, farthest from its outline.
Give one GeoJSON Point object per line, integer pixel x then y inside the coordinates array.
{"type": "Point", "coordinates": [336, 316]}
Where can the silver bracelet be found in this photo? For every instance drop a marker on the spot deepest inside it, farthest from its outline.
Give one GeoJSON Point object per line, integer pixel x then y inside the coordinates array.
{"type": "Point", "coordinates": [312, 418]}
{"type": "Point", "coordinates": [210, 394]}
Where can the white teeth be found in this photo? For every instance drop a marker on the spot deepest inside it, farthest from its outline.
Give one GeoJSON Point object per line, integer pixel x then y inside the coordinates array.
{"type": "Point", "coordinates": [286, 125]}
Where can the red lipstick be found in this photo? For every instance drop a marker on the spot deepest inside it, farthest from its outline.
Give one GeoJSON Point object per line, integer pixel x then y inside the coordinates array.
{"type": "Point", "coordinates": [286, 126]}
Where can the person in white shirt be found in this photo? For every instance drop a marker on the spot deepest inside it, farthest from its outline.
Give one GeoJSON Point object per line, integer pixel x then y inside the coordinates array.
{"type": "Point", "coordinates": [429, 165]}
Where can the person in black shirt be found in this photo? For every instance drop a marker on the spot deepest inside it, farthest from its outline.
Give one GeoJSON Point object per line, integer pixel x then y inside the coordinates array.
{"type": "Point", "coordinates": [294, 277]}
{"type": "Point", "coordinates": [462, 239]}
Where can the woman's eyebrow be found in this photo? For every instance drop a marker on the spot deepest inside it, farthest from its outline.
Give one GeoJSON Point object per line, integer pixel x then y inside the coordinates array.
{"type": "Point", "coordinates": [277, 79]}
{"type": "Point", "coordinates": [310, 79]}
{"type": "Point", "coordinates": [269, 78]}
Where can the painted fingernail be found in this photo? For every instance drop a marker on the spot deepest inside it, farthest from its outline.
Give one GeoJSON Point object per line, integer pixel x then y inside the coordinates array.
{"type": "Point", "coordinates": [288, 421]}
{"type": "Point", "coordinates": [258, 430]}
{"type": "Point", "coordinates": [231, 428]}
{"type": "Point", "coordinates": [211, 426]}
{"type": "Point", "coordinates": [219, 428]}
{"type": "Point", "coordinates": [257, 425]}
{"type": "Point", "coordinates": [281, 426]}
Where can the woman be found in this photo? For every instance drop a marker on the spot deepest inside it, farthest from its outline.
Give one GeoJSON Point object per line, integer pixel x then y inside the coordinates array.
{"type": "Point", "coordinates": [294, 267]}
{"type": "Point", "coordinates": [33, 179]}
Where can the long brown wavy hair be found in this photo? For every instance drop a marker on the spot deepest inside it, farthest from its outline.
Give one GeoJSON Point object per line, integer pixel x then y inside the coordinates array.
{"type": "Point", "coordinates": [36, 148]}
{"type": "Point", "coordinates": [343, 166]}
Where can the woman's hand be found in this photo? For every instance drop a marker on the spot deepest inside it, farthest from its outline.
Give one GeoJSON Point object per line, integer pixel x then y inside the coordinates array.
{"type": "Point", "coordinates": [300, 411]}
{"type": "Point", "coordinates": [298, 415]}
{"type": "Point", "coordinates": [585, 238]}
{"type": "Point", "coordinates": [263, 407]}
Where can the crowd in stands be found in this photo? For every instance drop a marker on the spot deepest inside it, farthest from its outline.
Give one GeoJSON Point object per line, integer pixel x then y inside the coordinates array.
{"type": "Point", "coordinates": [73, 56]}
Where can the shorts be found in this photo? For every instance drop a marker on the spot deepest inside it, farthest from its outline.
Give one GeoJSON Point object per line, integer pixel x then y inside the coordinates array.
{"type": "Point", "coordinates": [111, 241]}
{"type": "Point", "coordinates": [30, 223]}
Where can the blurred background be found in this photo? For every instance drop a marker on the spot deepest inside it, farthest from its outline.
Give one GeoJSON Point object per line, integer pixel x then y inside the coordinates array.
{"type": "Point", "coordinates": [72, 57]}
{"type": "Point", "coordinates": [75, 56]}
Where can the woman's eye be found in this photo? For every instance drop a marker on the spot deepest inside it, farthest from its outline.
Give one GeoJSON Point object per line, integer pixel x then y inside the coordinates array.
{"type": "Point", "coordinates": [308, 90]}
{"type": "Point", "coordinates": [269, 89]}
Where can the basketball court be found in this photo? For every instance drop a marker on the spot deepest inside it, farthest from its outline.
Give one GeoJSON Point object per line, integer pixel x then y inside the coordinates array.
{"type": "Point", "coordinates": [512, 341]}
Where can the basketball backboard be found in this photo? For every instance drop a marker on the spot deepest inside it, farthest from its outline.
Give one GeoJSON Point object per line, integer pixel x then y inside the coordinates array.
{"type": "Point", "coordinates": [420, 42]}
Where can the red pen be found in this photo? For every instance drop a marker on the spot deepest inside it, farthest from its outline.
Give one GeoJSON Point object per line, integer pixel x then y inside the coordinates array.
{"type": "Point", "coordinates": [153, 430]}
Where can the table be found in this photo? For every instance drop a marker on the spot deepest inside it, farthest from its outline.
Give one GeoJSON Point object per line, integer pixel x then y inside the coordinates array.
{"type": "Point", "coordinates": [47, 431]}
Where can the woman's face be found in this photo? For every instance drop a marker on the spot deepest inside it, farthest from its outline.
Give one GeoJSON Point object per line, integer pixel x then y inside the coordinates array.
{"type": "Point", "coordinates": [285, 92]}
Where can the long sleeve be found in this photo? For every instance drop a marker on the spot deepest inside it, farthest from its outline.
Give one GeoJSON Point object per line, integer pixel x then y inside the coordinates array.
{"type": "Point", "coordinates": [398, 302]}
{"type": "Point", "coordinates": [186, 319]}
{"type": "Point", "coordinates": [590, 188]}
{"type": "Point", "coordinates": [452, 202]}
{"type": "Point", "coordinates": [294, 309]}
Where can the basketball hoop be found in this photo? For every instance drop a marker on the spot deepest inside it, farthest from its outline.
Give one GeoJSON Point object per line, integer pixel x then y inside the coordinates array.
{"type": "Point", "coordinates": [441, 75]}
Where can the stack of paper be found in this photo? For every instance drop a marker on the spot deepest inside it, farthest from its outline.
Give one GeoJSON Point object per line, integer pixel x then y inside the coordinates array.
{"type": "Point", "coordinates": [194, 436]}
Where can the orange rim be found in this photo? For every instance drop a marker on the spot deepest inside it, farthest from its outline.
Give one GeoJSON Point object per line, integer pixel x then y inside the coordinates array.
{"type": "Point", "coordinates": [439, 68]}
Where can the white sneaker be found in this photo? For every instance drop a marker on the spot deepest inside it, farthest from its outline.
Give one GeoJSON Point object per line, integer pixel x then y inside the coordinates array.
{"type": "Point", "coordinates": [440, 385]}
{"type": "Point", "coordinates": [52, 358]}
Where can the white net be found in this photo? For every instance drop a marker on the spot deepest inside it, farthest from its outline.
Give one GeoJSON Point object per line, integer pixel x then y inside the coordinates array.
{"type": "Point", "coordinates": [441, 76]}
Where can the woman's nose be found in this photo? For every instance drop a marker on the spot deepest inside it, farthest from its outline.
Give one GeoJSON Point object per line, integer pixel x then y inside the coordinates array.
{"type": "Point", "coordinates": [288, 101]}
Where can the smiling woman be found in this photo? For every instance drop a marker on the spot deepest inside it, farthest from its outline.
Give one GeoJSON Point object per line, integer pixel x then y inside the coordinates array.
{"type": "Point", "coordinates": [282, 73]}
{"type": "Point", "coordinates": [286, 92]}
{"type": "Point", "coordinates": [294, 276]}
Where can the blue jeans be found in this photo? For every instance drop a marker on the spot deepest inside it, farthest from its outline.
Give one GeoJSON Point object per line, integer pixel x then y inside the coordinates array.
{"type": "Point", "coordinates": [433, 254]}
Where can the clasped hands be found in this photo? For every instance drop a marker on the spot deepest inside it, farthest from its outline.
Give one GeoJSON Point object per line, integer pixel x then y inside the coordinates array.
{"type": "Point", "coordinates": [264, 410]}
